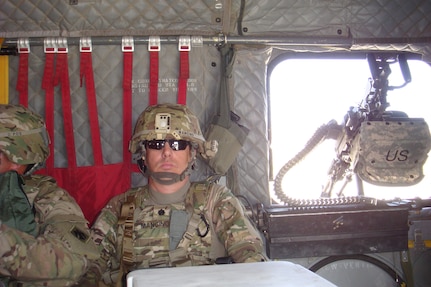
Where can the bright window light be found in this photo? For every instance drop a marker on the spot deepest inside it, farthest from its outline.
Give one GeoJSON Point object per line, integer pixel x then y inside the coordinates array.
{"type": "Point", "coordinates": [307, 93]}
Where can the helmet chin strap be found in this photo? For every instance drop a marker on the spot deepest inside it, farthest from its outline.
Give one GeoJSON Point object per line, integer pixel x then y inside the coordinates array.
{"type": "Point", "coordinates": [167, 178]}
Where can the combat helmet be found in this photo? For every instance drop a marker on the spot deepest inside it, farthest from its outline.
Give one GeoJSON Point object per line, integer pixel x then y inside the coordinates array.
{"type": "Point", "coordinates": [159, 121]}
{"type": "Point", "coordinates": [23, 136]}
{"type": "Point", "coordinates": [163, 121]}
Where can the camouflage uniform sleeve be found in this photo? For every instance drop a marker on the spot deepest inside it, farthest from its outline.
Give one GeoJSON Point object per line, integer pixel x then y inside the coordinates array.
{"type": "Point", "coordinates": [60, 254]}
{"type": "Point", "coordinates": [241, 239]}
{"type": "Point", "coordinates": [104, 235]}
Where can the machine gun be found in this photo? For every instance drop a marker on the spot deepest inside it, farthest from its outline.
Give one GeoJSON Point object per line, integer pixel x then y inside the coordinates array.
{"type": "Point", "coordinates": [379, 146]}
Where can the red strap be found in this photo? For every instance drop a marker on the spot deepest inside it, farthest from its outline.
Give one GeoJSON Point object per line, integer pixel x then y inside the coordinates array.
{"type": "Point", "coordinates": [62, 75]}
{"type": "Point", "coordinates": [154, 77]}
{"type": "Point", "coordinates": [22, 83]}
{"type": "Point", "coordinates": [48, 86]}
{"type": "Point", "coordinates": [127, 105]}
{"type": "Point", "coordinates": [183, 77]}
{"type": "Point", "coordinates": [86, 71]}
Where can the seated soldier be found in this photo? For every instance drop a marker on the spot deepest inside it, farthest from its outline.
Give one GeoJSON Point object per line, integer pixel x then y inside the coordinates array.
{"type": "Point", "coordinates": [172, 221]}
{"type": "Point", "coordinates": [44, 237]}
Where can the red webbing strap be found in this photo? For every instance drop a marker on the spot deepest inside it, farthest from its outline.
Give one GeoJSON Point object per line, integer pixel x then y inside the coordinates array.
{"type": "Point", "coordinates": [127, 105]}
{"type": "Point", "coordinates": [86, 72]}
{"type": "Point", "coordinates": [183, 77]}
{"type": "Point", "coordinates": [62, 75]}
{"type": "Point", "coordinates": [22, 83]}
{"type": "Point", "coordinates": [48, 86]}
{"type": "Point", "coordinates": [154, 77]}
{"type": "Point", "coordinates": [153, 49]}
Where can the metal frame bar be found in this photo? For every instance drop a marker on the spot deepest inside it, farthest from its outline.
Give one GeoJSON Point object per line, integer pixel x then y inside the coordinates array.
{"type": "Point", "coordinates": [199, 40]}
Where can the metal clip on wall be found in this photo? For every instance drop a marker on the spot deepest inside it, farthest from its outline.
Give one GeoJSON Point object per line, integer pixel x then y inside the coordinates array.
{"type": "Point", "coordinates": [184, 43]}
{"type": "Point", "coordinates": [23, 45]}
{"type": "Point", "coordinates": [85, 44]}
{"type": "Point", "coordinates": [50, 45]}
{"type": "Point", "coordinates": [127, 44]}
{"type": "Point", "coordinates": [154, 44]}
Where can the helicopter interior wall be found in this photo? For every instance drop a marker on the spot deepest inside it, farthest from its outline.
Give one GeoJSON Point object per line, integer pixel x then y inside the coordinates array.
{"type": "Point", "coordinates": [352, 25]}
{"type": "Point", "coordinates": [305, 22]}
{"type": "Point", "coordinates": [409, 266]}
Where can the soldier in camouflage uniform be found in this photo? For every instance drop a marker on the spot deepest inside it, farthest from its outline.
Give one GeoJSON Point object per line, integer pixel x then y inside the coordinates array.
{"type": "Point", "coordinates": [171, 221]}
{"type": "Point", "coordinates": [44, 237]}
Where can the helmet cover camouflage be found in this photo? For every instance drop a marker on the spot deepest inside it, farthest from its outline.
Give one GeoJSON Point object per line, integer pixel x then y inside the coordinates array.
{"type": "Point", "coordinates": [160, 121]}
{"type": "Point", "coordinates": [23, 136]}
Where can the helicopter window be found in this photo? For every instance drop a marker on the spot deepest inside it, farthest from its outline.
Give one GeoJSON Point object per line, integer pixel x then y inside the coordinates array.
{"type": "Point", "coordinates": [308, 93]}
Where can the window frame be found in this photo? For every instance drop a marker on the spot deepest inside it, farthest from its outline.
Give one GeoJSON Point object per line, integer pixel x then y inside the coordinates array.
{"type": "Point", "coordinates": [308, 56]}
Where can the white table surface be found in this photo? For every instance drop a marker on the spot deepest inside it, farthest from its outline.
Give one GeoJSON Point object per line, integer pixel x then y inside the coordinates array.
{"type": "Point", "coordinates": [271, 273]}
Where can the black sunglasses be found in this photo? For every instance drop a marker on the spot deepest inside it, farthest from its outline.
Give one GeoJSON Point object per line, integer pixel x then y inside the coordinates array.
{"type": "Point", "coordinates": [173, 144]}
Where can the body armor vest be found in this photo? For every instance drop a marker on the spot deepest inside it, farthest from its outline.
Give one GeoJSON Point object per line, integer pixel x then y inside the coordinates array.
{"type": "Point", "coordinates": [146, 230]}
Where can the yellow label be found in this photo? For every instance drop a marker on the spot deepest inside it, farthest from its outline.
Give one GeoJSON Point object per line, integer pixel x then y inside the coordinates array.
{"type": "Point", "coordinates": [427, 243]}
{"type": "Point", "coordinates": [4, 79]}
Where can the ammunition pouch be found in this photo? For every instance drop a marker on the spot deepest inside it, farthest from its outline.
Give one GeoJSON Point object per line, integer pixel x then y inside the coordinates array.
{"type": "Point", "coordinates": [392, 153]}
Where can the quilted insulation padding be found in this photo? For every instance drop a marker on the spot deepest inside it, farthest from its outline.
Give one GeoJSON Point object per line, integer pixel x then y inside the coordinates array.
{"type": "Point", "coordinates": [249, 94]}
{"type": "Point", "coordinates": [203, 87]}
{"type": "Point", "coordinates": [35, 18]}
{"type": "Point", "coordinates": [251, 104]}
{"type": "Point", "coordinates": [364, 19]}
{"type": "Point", "coordinates": [361, 19]}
